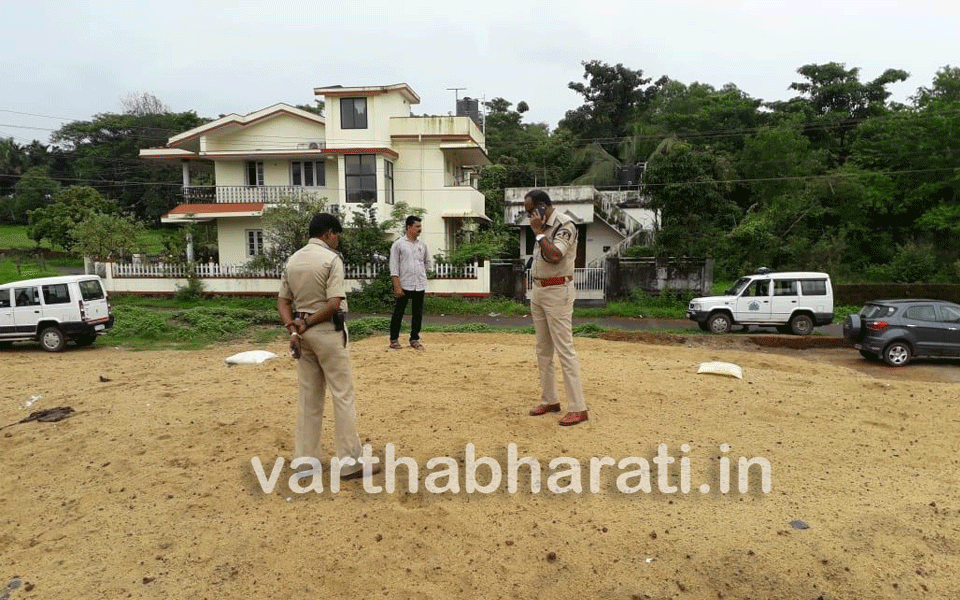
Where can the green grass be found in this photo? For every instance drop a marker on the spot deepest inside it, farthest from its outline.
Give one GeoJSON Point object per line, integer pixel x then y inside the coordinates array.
{"type": "Point", "coordinates": [151, 241]}
{"type": "Point", "coordinates": [14, 237]}
{"type": "Point", "coordinates": [144, 328]}
{"type": "Point", "coordinates": [24, 268]}
{"type": "Point", "coordinates": [459, 306]}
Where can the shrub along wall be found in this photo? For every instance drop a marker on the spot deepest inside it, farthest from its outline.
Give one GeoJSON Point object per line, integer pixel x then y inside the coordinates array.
{"type": "Point", "coordinates": [857, 294]}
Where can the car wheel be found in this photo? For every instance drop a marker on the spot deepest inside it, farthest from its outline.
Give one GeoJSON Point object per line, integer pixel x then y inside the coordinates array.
{"type": "Point", "coordinates": [52, 340]}
{"type": "Point", "coordinates": [719, 323]}
{"type": "Point", "coordinates": [6, 345]}
{"type": "Point", "coordinates": [897, 354]}
{"type": "Point", "coordinates": [869, 356]}
{"type": "Point", "coordinates": [704, 326]}
{"type": "Point", "coordinates": [801, 325]}
{"type": "Point", "coordinates": [85, 340]}
{"type": "Point", "coordinates": [852, 327]}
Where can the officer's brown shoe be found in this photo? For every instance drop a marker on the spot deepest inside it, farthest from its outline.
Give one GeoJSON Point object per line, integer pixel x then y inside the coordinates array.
{"type": "Point", "coordinates": [361, 473]}
{"type": "Point", "coordinates": [572, 418]}
{"type": "Point", "coordinates": [542, 409]}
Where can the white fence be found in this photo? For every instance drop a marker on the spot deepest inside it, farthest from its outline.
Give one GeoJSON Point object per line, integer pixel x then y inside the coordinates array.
{"type": "Point", "coordinates": [589, 283]}
{"type": "Point", "coordinates": [470, 280]}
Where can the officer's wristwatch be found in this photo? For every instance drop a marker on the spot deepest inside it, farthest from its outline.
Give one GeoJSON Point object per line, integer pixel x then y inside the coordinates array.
{"type": "Point", "coordinates": [540, 236]}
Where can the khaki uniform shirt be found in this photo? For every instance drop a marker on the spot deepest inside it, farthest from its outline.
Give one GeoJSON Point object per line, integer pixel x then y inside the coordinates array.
{"type": "Point", "coordinates": [562, 231]}
{"type": "Point", "coordinates": [313, 275]}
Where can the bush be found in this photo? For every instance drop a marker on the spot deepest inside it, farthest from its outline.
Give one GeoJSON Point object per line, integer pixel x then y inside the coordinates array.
{"type": "Point", "coordinates": [194, 290]}
{"type": "Point", "coordinates": [375, 295]}
{"type": "Point", "coordinates": [133, 321]}
{"type": "Point", "coordinates": [640, 252]}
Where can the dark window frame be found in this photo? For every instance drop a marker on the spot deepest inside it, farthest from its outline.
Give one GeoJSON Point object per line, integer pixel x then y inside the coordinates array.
{"type": "Point", "coordinates": [360, 177]}
{"type": "Point", "coordinates": [254, 242]}
{"type": "Point", "coordinates": [18, 294]}
{"type": "Point", "coordinates": [912, 313]}
{"type": "Point", "coordinates": [353, 113]}
{"type": "Point", "coordinates": [781, 289]}
{"type": "Point", "coordinates": [813, 287]}
{"type": "Point", "coordinates": [90, 289]}
{"type": "Point", "coordinates": [56, 293]}
{"type": "Point", "coordinates": [314, 170]}
{"type": "Point", "coordinates": [254, 173]}
{"type": "Point", "coordinates": [388, 189]}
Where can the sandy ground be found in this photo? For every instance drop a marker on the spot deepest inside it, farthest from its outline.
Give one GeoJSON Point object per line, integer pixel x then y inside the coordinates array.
{"type": "Point", "coordinates": [148, 490]}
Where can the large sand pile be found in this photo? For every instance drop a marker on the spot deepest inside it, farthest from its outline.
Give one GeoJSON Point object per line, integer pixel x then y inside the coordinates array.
{"type": "Point", "coordinates": [148, 490]}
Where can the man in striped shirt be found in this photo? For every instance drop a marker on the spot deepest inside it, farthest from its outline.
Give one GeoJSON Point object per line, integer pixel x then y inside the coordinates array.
{"type": "Point", "coordinates": [409, 263]}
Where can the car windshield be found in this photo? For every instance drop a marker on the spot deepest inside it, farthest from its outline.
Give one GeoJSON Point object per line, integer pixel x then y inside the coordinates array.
{"type": "Point", "coordinates": [738, 287]}
{"type": "Point", "coordinates": [876, 311]}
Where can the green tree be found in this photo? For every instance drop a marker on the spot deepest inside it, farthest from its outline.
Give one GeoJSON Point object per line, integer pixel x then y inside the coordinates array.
{"type": "Point", "coordinates": [614, 96]}
{"type": "Point", "coordinates": [104, 237]}
{"type": "Point", "coordinates": [833, 102]}
{"type": "Point", "coordinates": [285, 230]}
{"type": "Point", "coordinates": [915, 150]}
{"type": "Point", "coordinates": [691, 189]}
{"type": "Point", "coordinates": [34, 190]}
{"type": "Point", "coordinates": [703, 115]}
{"type": "Point", "coordinates": [55, 222]}
{"type": "Point", "coordinates": [104, 153]}
{"type": "Point", "coordinates": [315, 108]}
{"type": "Point", "coordinates": [13, 162]}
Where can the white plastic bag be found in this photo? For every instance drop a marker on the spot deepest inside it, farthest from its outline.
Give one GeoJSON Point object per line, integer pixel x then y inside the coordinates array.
{"type": "Point", "coordinates": [250, 357]}
{"type": "Point", "coordinates": [721, 368]}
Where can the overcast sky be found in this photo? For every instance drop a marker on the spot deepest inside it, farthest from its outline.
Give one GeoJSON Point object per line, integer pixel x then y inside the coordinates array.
{"type": "Point", "coordinates": [71, 60]}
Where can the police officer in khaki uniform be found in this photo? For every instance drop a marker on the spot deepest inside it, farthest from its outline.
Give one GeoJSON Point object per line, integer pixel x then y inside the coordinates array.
{"type": "Point", "coordinates": [551, 304]}
{"type": "Point", "coordinates": [311, 295]}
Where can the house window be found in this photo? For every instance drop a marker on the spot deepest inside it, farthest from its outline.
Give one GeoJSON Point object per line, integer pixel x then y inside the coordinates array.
{"type": "Point", "coordinates": [353, 113]}
{"type": "Point", "coordinates": [254, 172]}
{"type": "Point", "coordinates": [308, 173]}
{"type": "Point", "coordinates": [360, 177]}
{"type": "Point", "coordinates": [254, 242]}
{"type": "Point", "coordinates": [388, 181]}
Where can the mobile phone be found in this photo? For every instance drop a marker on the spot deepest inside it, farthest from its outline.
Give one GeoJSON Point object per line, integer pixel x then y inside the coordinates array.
{"type": "Point", "coordinates": [541, 209]}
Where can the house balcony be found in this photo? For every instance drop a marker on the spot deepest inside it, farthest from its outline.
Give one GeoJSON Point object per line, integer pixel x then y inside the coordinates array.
{"type": "Point", "coordinates": [459, 199]}
{"type": "Point", "coordinates": [240, 194]}
{"type": "Point", "coordinates": [444, 127]}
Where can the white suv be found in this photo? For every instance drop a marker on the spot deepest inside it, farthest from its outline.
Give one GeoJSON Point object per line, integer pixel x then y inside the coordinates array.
{"type": "Point", "coordinates": [51, 310]}
{"type": "Point", "coordinates": [793, 302]}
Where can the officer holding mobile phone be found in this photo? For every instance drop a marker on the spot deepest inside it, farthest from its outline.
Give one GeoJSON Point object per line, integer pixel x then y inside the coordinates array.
{"type": "Point", "coordinates": [551, 305]}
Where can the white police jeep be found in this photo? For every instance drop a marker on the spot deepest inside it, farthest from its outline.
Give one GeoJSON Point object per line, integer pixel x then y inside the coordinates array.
{"type": "Point", "coordinates": [52, 310]}
{"type": "Point", "coordinates": [793, 302]}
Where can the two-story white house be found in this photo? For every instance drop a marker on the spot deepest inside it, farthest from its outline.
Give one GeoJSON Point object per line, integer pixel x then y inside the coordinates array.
{"type": "Point", "coordinates": [367, 147]}
{"type": "Point", "coordinates": [608, 221]}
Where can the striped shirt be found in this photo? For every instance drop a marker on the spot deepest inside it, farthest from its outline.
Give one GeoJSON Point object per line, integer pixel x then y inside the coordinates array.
{"type": "Point", "coordinates": [410, 261]}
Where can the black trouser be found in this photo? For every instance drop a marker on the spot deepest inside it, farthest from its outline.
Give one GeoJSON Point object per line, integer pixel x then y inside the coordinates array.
{"type": "Point", "coordinates": [416, 318]}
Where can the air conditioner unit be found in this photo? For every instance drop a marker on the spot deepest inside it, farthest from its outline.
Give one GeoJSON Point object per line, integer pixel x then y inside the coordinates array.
{"type": "Point", "coordinates": [317, 145]}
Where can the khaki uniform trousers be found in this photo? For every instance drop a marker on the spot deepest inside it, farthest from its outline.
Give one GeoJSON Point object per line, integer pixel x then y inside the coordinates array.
{"type": "Point", "coordinates": [552, 311]}
{"type": "Point", "coordinates": [324, 362]}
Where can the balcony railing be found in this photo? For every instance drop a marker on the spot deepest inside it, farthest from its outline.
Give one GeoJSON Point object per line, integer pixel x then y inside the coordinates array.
{"type": "Point", "coordinates": [268, 194]}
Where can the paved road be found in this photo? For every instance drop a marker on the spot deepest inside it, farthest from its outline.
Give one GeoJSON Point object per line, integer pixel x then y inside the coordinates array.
{"type": "Point", "coordinates": [625, 323]}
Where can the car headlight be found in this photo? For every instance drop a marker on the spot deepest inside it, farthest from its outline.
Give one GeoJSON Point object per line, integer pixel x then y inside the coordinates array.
{"type": "Point", "coordinates": [694, 306]}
